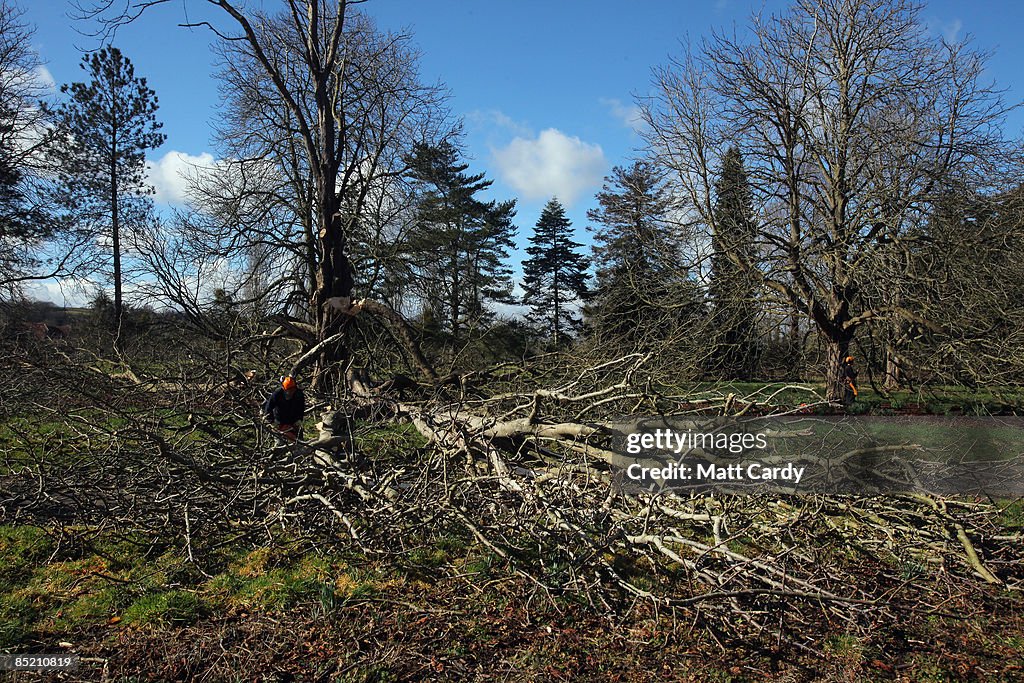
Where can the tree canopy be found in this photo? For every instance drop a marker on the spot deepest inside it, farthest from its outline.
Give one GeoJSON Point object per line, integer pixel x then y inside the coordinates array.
{"type": "Point", "coordinates": [555, 275]}
{"type": "Point", "coordinates": [459, 246]}
{"type": "Point", "coordinates": [852, 122]}
{"type": "Point", "coordinates": [103, 133]}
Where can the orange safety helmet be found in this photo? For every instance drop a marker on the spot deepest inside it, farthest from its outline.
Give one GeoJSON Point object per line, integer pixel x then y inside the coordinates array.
{"type": "Point", "coordinates": [288, 383]}
{"type": "Point", "coordinates": [849, 359]}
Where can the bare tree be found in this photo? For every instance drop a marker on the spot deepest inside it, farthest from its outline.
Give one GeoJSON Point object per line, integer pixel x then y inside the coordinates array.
{"type": "Point", "coordinates": [321, 110]}
{"type": "Point", "coordinates": [322, 105]}
{"type": "Point", "coordinates": [852, 122]}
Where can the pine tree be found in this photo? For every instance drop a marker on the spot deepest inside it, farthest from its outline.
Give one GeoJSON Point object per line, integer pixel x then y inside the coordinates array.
{"type": "Point", "coordinates": [554, 277]}
{"type": "Point", "coordinates": [20, 223]}
{"type": "Point", "coordinates": [105, 130]}
{"type": "Point", "coordinates": [638, 283]}
{"type": "Point", "coordinates": [459, 246]}
{"type": "Point", "coordinates": [24, 216]}
{"type": "Point", "coordinates": [731, 289]}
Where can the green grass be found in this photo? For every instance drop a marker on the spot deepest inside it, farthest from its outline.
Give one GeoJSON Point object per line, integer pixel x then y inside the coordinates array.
{"type": "Point", "coordinates": [259, 581]}
{"type": "Point", "coordinates": [28, 441]}
{"type": "Point", "coordinates": [945, 400]}
{"type": "Point", "coordinates": [119, 582]}
{"type": "Point", "coordinates": [393, 440]}
{"type": "Point", "coordinates": [81, 596]}
{"type": "Point", "coordinates": [1011, 516]}
{"type": "Point", "coordinates": [168, 608]}
{"type": "Point", "coordinates": [961, 439]}
{"type": "Point", "coordinates": [935, 400]}
{"type": "Point", "coordinates": [98, 606]}
{"type": "Point", "coordinates": [22, 548]}
{"type": "Point", "coordinates": [16, 616]}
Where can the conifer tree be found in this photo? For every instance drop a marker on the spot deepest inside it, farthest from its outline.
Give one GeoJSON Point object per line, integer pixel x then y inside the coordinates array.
{"type": "Point", "coordinates": [104, 132]}
{"type": "Point", "coordinates": [16, 226]}
{"type": "Point", "coordinates": [732, 290]}
{"type": "Point", "coordinates": [554, 277]}
{"type": "Point", "coordinates": [24, 216]}
{"type": "Point", "coordinates": [459, 246]}
{"type": "Point", "coordinates": [638, 283]}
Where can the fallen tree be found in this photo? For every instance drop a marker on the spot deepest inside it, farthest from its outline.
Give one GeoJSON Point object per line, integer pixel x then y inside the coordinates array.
{"type": "Point", "coordinates": [518, 466]}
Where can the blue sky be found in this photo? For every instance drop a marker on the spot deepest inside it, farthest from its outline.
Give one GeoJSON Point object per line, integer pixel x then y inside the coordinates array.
{"type": "Point", "coordinates": [546, 87]}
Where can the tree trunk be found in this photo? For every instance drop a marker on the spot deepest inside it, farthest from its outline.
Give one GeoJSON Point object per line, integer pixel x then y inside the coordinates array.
{"type": "Point", "coordinates": [334, 279]}
{"type": "Point", "coordinates": [456, 299]}
{"type": "Point", "coordinates": [115, 229]}
{"type": "Point", "coordinates": [835, 379]}
{"type": "Point", "coordinates": [893, 373]}
{"type": "Point", "coordinates": [796, 343]}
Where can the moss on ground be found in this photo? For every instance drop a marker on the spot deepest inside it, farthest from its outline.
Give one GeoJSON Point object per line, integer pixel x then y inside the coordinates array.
{"type": "Point", "coordinates": [307, 612]}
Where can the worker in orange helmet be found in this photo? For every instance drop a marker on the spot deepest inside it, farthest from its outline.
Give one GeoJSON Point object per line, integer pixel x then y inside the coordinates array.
{"type": "Point", "coordinates": [285, 408]}
{"type": "Point", "coordinates": [849, 375]}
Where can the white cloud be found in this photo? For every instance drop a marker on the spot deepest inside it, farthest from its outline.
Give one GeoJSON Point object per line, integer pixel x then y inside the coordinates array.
{"type": "Point", "coordinates": [44, 78]}
{"type": "Point", "coordinates": [948, 30]}
{"type": "Point", "coordinates": [169, 176]}
{"type": "Point", "coordinates": [511, 311]}
{"type": "Point", "coordinates": [629, 114]}
{"type": "Point", "coordinates": [952, 30]}
{"type": "Point", "coordinates": [551, 165]}
{"type": "Point", "coordinates": [483, 118]}
{"type": "Point", "coordinates": [69, 292]}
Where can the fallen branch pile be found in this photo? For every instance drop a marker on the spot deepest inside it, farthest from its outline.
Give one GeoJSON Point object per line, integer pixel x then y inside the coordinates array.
{"type": "Point", "coordinates": [522, 472]}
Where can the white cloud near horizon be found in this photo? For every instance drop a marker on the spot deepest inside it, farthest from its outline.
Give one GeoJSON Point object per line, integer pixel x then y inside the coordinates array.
{"type": "Point", "coordinates": [170, 175]}
{"type": "Point", "coordinates": [55, 292]}
{"type": "Point", "coordinates": [551, 164]}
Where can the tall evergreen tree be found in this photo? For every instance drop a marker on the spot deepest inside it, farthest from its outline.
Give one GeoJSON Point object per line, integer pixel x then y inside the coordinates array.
{"type": "Point", "coordinates": [554, 277]}
{"type": "Point", "coordinates": [638, 283]}
{"type": "Point", "coordinates": [459, 246]}
{"type": "Point", "coordinates": [17, 226]}
{"type": "Point", "coordinates": [24, 220]}
{"type": "Point", "coordinates": [731, 289]}
{"type": "Point", "coordinates": [105, 130]}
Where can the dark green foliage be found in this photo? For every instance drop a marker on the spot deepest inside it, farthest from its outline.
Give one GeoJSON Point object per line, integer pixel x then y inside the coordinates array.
{"type": "Point", "coordinates": [732, 288]}
{"type": "Point", "coordinates": [23, 220]}
{"type": "Point", "coordinates": [21, 223]}
{"type": "Point", "coordinates": [18, 218]}
{"type": "Point", "coordinates": [554, 277]}
{"type": "Point", "coordinates": [640, 288]}
{"type": "Point", "coordinates": [458, 248]}
{"type": "Point", "coordinates": [102, 136]}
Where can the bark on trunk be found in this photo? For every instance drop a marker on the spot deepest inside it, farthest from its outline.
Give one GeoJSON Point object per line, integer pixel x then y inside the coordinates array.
{"type": "Point", "coordinates": [835, 380]}
{"type": "Point", "coordinates": [893, 370]}
{"type": "Point", "coordinates": [115, 229]}
{"type": "Point", "coordinates": [795, 342]}
{"type": "Point", "coordinates": [334, 279]}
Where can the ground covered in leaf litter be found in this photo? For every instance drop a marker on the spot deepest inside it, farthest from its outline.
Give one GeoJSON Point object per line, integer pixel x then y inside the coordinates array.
{"type": "Point", "coordinates": [315, 618]}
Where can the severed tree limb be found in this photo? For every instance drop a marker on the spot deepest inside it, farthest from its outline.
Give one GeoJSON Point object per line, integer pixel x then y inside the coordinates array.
{"type": "Point", "coordinates": [353, 307]}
